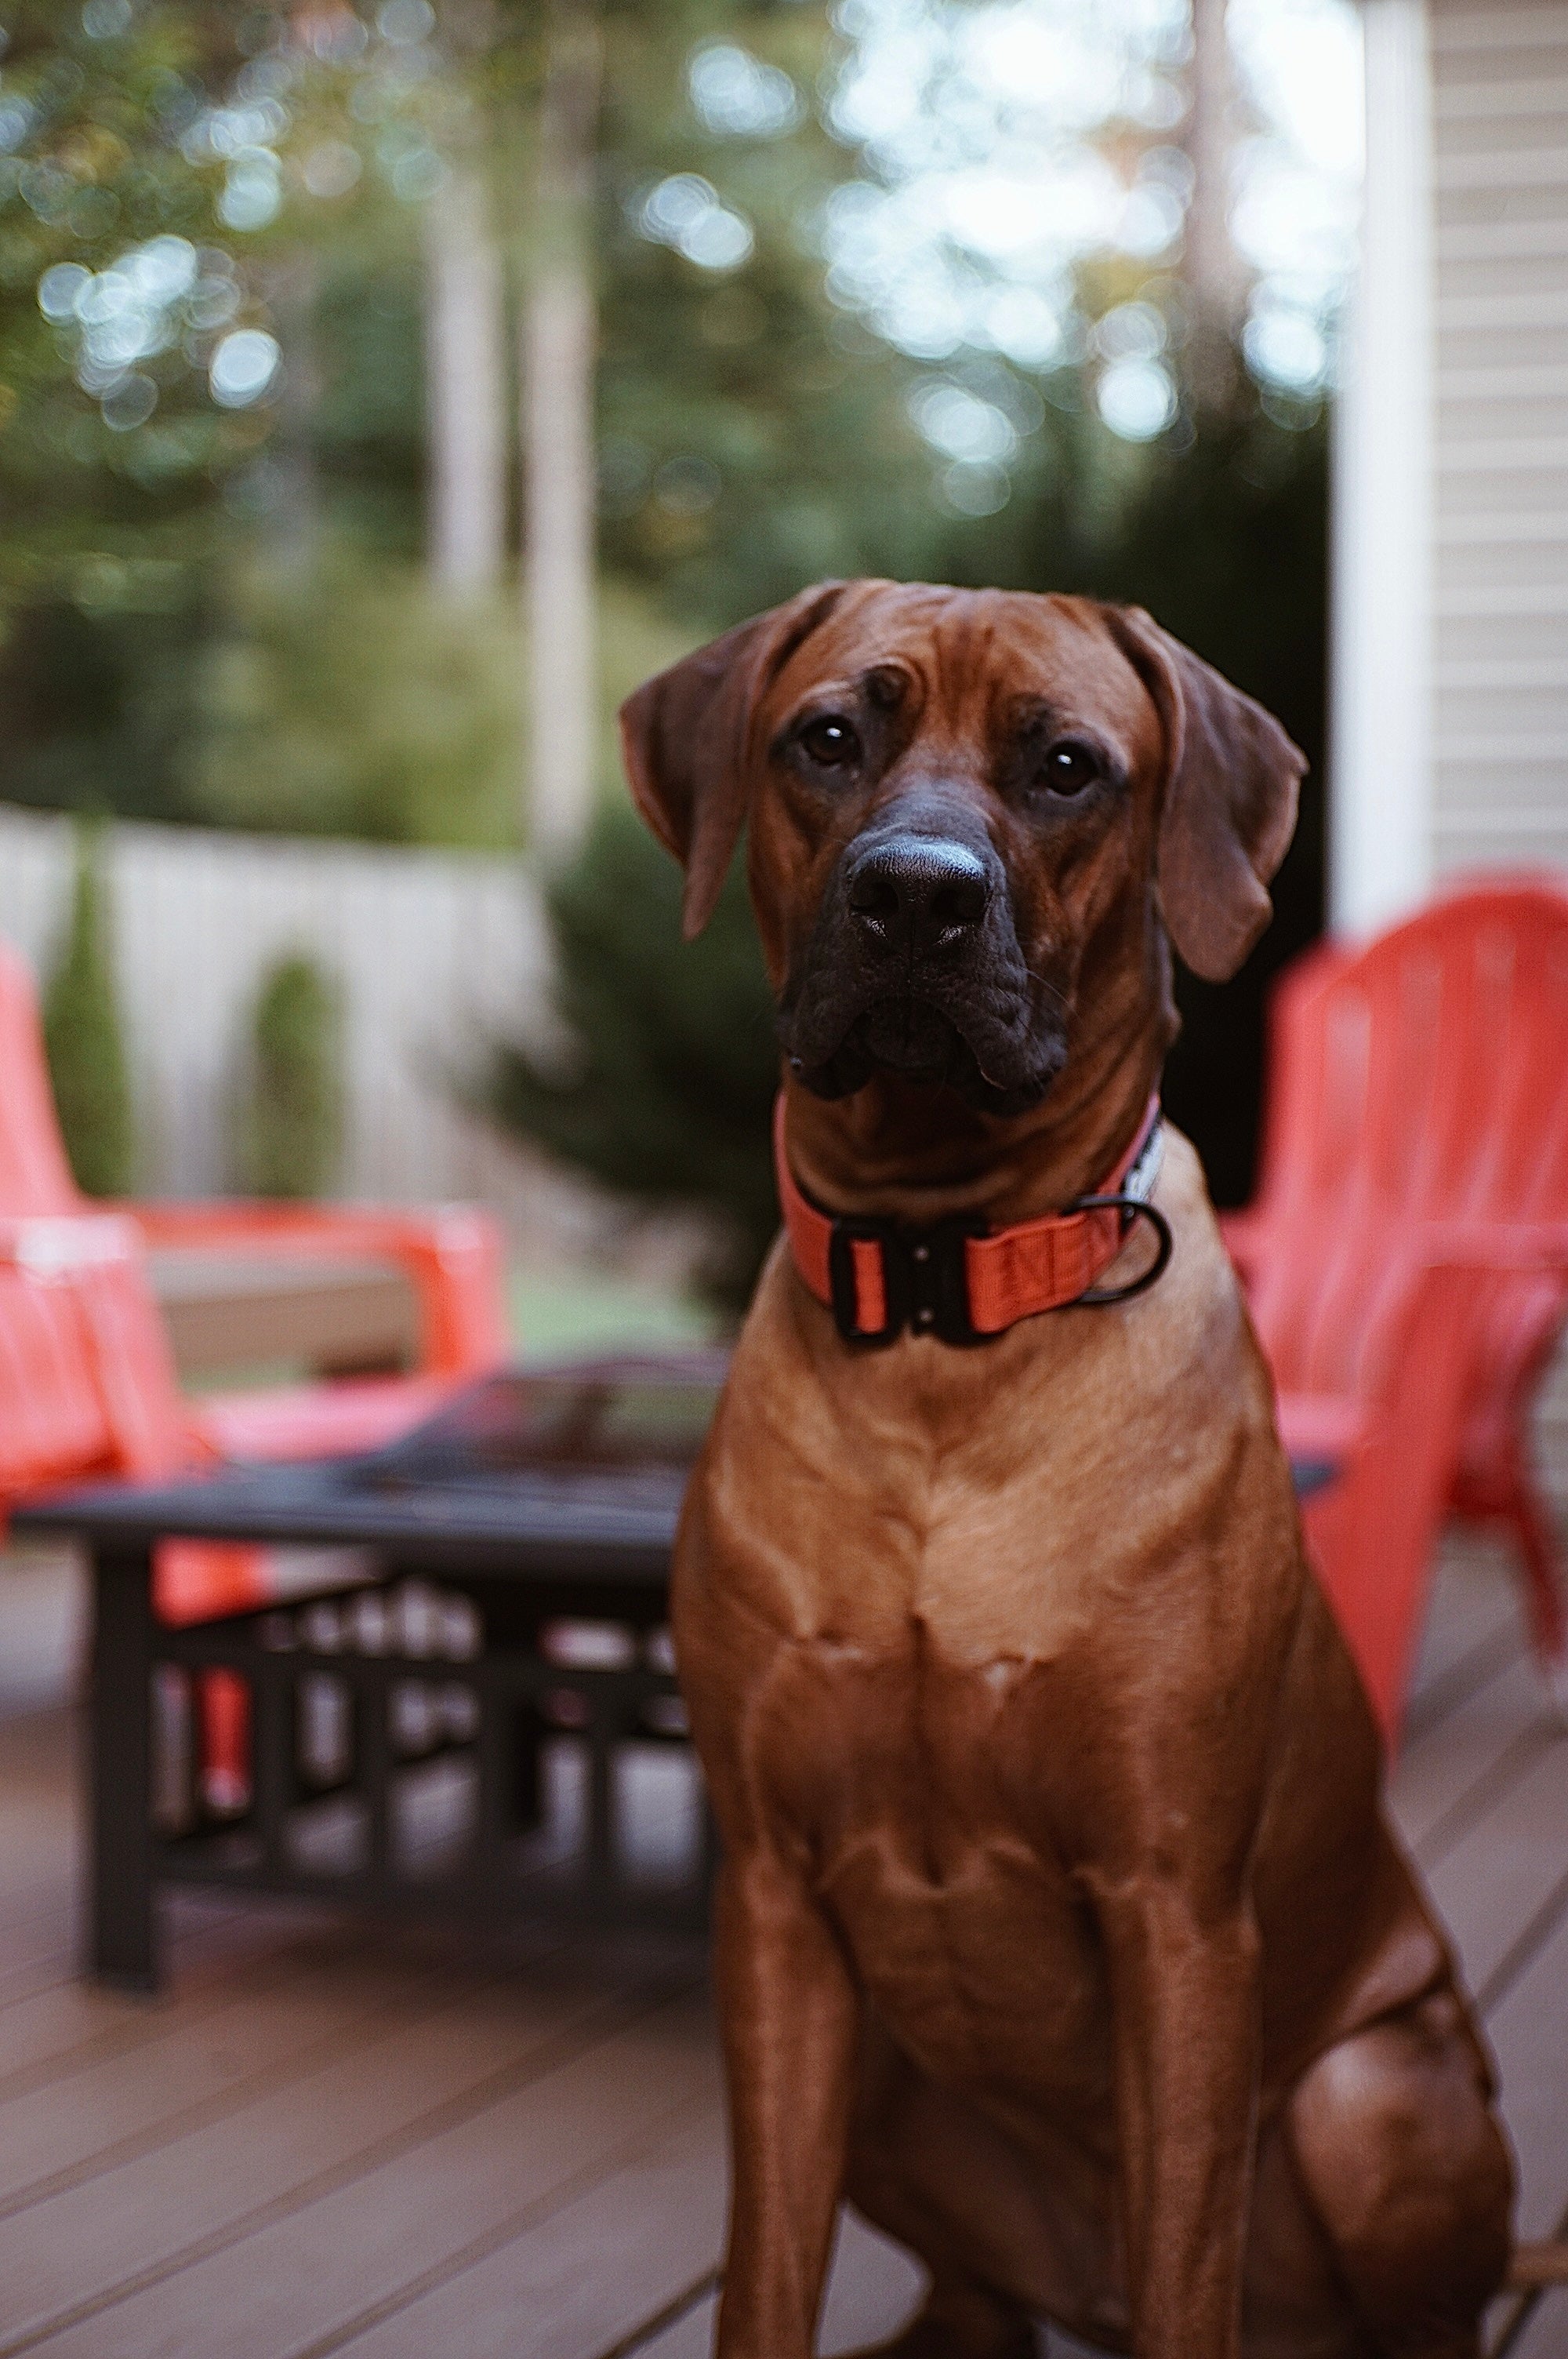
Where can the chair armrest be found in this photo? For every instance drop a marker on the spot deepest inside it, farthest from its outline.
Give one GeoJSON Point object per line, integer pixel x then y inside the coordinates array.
{"type": "Point", "coordinates": [51, 1245]}
{"type": "Point", "coordinates": [453, 1255]}
{"type": "Point", "coordinates": [97, 1260]}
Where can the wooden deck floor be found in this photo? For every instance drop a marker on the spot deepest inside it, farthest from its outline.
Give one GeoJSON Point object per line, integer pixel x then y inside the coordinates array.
{"type": "Point", "coordinates": [328, 2138]}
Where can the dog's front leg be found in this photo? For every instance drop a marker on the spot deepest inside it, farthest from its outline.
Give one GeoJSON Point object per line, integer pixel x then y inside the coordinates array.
{"type": "Point", "coordinates": [1187, 2040]}
{"type": "Point", "coordinates": [790, 2013]}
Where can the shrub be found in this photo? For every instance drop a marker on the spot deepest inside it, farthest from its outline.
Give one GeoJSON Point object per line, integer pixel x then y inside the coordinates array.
{"type": "Point", "coordinates": [83, 1035]}
{"type": "Point", "coordinates": [291, 1124]}
{"type": "Point", "coordinates": [665, 1090]}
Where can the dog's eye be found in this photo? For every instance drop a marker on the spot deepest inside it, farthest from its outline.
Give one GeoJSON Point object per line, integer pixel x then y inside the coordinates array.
{"type": "Point", "coordinates": [1070, 768]}
{"type": "Point", "coordinates": [830, 742]}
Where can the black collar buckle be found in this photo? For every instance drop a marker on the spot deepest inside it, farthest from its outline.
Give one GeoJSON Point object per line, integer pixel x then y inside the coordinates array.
{"type": "Point", "coordinates": [925, 1284]}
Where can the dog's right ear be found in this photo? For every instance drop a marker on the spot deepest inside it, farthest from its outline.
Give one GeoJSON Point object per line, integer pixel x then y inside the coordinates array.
{"type": "Point", "coordinates": [686, 741]}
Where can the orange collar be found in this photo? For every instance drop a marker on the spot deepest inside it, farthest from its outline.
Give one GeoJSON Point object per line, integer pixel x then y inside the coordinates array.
{"type": "Point", "coordinates": [957, 1280]}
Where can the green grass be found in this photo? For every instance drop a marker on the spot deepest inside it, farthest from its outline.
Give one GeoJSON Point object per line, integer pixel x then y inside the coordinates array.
{"type": "Point", "coordinates": [568, 1314]}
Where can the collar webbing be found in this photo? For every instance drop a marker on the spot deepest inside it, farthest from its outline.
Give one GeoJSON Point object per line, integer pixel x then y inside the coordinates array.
{"type": "Point", "coordinates": [957, 1280]}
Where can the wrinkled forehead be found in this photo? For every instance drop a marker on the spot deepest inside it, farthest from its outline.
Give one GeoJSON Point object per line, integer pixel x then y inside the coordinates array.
{"type": "Point", "coordinates": [972, 663]}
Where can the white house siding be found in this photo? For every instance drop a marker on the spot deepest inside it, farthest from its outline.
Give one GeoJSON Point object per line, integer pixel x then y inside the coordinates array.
{"type": "Point", "coordinates": [431, 950]}
{"type": "Point", "coordinates": [1500, 169]}
{"type": "Point", "coordinates": [1379, 841]}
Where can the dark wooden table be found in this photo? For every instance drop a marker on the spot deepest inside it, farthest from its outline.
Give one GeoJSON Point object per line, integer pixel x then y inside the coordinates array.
{"type": "Point", "coordinates": [478, 1615]}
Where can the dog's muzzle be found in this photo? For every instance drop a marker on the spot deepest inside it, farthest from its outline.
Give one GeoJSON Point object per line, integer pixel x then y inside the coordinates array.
{"type": "Point", "coordinates": [914, 968]}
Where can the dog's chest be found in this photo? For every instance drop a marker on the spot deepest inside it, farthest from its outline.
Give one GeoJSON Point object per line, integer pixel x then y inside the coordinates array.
{"type": "Point", "coordinates": [928, 1612]}
{"type": "Point", "coordinates": [929, 1792]}
{"type": "Point", "coordinates": [935, 1750]}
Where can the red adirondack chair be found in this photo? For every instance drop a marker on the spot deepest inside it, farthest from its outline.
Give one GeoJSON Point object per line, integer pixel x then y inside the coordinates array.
{"type": "Point", "coordinates": [87, 1380]}
{"type": "Point", "coordinates": [1406, 1258]}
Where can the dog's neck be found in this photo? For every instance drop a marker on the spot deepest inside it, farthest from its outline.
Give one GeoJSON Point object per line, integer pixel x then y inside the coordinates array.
{"type": "Point", "coordinates": [916, 1154]}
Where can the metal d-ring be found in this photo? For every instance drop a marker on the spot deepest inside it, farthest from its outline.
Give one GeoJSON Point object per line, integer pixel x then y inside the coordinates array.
{"type": "Point", "coordinates": [1131, 1208]}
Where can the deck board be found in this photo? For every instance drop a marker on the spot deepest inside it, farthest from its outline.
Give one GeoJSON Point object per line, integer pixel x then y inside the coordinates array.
{"type": "Point", "coordinates": [1472, 1616]}
{"type": "Point", "coordinates": [399, 2078]}
{"type": "Point", "coordinates": [1489, 1884]}
{"type": "Point", "coordinates": [271, 2021]}
{"type": "Point", "coordinates": [1529, 2031]}
{"type": "Point", "coordinates": [1442, 1765]}
{"type": "Point", "coordinates": [624, 2247]}
{"type": "Point", "coordinates": [872, 2288]}
{"type": "Point", "coordinates": [336, 2138]}
{"type": "Point", "coordinates": [301, 2279]}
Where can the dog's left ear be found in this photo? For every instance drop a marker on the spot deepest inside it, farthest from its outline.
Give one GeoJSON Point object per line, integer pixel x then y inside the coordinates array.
{"type": "Point", "coordinates": [1229, 810]}
{"type": "Point", "coordinates": [685, 740]}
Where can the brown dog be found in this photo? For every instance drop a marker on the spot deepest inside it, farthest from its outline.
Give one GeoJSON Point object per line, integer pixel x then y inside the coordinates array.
{"type": "Point", "coordinates": [1059, 1925]}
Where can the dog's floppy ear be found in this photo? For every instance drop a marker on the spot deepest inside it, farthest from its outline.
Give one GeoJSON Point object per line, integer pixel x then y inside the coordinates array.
{"type": "Point", "coordinates": [685, 739]}
{"type": "Point", "coordinates": [1229, 810]}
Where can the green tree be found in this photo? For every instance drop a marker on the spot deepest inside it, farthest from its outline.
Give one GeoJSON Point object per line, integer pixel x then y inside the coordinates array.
{"type": "Point", "coordinates": [83, 1038]}
{"type": "Point", "coordinates": [291, 1129]}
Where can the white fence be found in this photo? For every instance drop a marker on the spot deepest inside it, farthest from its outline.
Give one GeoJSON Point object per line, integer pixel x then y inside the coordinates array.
{"type": "Point", "coordinates": [432, 950]}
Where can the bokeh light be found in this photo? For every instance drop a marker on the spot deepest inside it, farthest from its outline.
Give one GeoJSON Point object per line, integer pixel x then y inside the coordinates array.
{"type": "Point", "coordinates": [244, 367]}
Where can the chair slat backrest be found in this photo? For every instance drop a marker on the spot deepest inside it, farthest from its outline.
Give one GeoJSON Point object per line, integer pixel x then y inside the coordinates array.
{"type": "Point", "coordinates": [1422, 1078]}
{"type": "Point", "coordinates": [34, 1176]}
{"type": "Point", "coordinates": [87, 1382]}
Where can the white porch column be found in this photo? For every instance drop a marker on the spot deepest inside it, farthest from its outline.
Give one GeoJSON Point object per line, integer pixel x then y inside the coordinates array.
{"type": "Point", "coordinates": [1380, 776]}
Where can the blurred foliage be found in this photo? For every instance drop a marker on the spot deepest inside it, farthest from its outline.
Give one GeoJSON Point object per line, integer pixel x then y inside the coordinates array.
{"type": "Point", "coordinates": [91, 169]}
{"type": "Point", "coordinates": [750, 436]}
{"type": "Point", "coordinates": [665, 1088]}
{"type": "Point", "coordinates": [96, 709]}
{"type": "Point", "coordinates": [356, 702]}
{"type": "Point", "coordinates": [83, 1039]}
{"type": "Point", "coordinates": [291, 1116]}
{"type": "Point", "coordinates": [149, 145]}
{"type": "Point", "coordinates": [349, 701]}
{"type": "Point", "coordinates": [352, 700]}
{"type": "Point", "coordinates": [212, 608]}
{"type": "Point", "coordinates": [753, 436]}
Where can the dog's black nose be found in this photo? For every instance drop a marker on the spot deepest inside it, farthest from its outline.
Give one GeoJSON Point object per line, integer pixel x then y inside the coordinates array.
{"type": "Point", "coordinates": [917, 893]}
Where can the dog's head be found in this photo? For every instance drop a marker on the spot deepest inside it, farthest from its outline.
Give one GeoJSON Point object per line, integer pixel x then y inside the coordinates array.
{"type": "Point", "coordinates": [962, 806]}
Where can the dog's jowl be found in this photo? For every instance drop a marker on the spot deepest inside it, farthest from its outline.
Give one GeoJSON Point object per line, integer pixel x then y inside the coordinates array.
{"type": "Point", "coordinates": [1060, 1929]}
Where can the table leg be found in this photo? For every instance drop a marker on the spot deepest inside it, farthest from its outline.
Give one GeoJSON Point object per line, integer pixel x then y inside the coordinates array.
{"type": "Point", "coordinates": [122, 1944]}
{"type": "Point", "coordinates": [374, 1748]}
{"type": "Point", "coordinates": [525, 1798]}
{"type": "Point", "coordinates": [272, 1751]}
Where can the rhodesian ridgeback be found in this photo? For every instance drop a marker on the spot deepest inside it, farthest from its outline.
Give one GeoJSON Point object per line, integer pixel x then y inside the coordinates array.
{"type": "Point", "coordinates": [1060, 1928]}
